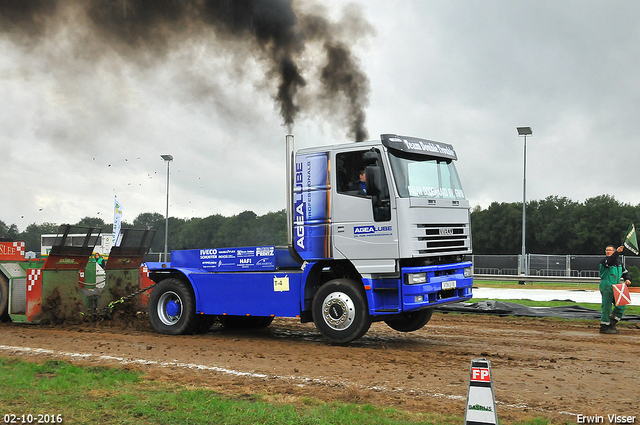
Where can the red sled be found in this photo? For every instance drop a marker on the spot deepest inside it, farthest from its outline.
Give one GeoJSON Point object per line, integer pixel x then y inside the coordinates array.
{"type": "Point", "coordinates": [621, 294]}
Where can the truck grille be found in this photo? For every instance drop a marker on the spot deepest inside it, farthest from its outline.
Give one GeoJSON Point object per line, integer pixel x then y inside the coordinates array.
{"type": "Point", "coordinates": [440, 239]}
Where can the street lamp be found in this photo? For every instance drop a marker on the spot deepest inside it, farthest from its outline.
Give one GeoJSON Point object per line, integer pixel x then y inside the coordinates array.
{"type": "Point", "coordinates": [167, 159]}
{"type": "Point", "coordinates": [524, 132]}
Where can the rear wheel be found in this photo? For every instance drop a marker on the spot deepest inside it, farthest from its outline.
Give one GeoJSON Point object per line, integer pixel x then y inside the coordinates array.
{"type": "Point", "coordinates": [409, 322]}
{"type": "Point", "coordinates": [4, 299]}
{"type": "Point", "coordinates": [340, 311]}
{"type": "Point", "coordinates": [172, 308]}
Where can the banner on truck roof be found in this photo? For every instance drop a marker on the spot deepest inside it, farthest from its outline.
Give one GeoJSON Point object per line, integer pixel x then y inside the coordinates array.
{"type": "Point", "coordinates": [419, 146]}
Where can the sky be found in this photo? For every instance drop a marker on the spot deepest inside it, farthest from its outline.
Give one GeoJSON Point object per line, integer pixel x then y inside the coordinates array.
{"type": "Point", "coordinates": [85, 117]}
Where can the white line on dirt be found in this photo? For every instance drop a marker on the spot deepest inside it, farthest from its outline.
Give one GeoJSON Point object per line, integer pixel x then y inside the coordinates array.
{"type": "Point", "coordinates": [122, 360]}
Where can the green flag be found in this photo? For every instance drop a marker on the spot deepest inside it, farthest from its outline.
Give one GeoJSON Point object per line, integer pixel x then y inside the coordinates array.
{"type": "Point", "coordinates": [630, 241]}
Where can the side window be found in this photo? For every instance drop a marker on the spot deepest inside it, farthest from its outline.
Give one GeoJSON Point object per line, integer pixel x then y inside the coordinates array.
{"type": "Point", "coordinates": [349, 180]}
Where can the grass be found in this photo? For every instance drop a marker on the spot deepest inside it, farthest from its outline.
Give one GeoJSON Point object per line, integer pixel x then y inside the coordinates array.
{"type": "Point", "coordinates": [88, 395]}
{"type": "Point", "coordinates": [110, 395]}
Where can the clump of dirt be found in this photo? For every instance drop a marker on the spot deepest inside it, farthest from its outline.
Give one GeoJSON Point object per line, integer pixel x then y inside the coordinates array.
{"type": "Point", "coordinates": [115, 305]}
{"type": "Point", "coordinates": [137, 321]}
{"type": "Point", "coordinates": [57, 311]}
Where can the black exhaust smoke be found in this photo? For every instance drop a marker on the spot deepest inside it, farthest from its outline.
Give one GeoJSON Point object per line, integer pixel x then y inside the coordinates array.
{"type": "Point", "coordinates": [146, 31]}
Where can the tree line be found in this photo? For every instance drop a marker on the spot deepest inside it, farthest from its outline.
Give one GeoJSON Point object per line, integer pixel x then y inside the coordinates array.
{"type": "Point", "coordinates": [215, 231]}
{"type": "Point", "coordinates": [554, 225]}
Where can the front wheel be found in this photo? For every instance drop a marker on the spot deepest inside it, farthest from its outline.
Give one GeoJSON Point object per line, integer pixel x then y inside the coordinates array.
{"type": "Point", "coordinates": [172, 308]}
{"type": "Point", "coordinates": [409, 322]}
{"type": "Point", "coordinates": [340, 311]}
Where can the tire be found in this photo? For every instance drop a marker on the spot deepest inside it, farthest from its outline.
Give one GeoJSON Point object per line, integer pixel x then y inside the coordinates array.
{"type": "Point", "coordinates": [340, 311]}
{"type": "Point", "coordinates": [172, 308]}
{"type": "Point", "coordinates": [4, 299]}
{"type": "Point", "coordinates": [409, 322]}
{"type": "Point", "coordinates": [246, 322]}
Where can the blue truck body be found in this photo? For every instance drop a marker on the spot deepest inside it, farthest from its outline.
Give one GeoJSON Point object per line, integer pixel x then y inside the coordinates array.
{"type": "Point", "coordinates": [387, 249]}
{"type": "Point", "coordinates": [276, 287]}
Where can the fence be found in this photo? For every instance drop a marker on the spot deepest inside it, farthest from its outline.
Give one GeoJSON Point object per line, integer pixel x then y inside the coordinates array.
{"type": "Point", "coordinates": [544, 265]}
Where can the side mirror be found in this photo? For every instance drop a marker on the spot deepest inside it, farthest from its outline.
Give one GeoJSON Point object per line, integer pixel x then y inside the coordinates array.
{"type": "Point", "coordinates": [373, 180]}
{"type": "Point", "coordinates": [370, 157]}
{"type": "Point", "coordinates": [377, 186]}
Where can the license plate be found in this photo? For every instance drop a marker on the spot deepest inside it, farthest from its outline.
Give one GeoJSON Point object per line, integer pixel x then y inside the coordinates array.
{"type": "Point", "coordinates": [450, 284]}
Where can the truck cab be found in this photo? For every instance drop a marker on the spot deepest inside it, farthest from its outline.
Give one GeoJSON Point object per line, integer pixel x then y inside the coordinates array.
{"type": "Point", "coordinates": [411, 206]}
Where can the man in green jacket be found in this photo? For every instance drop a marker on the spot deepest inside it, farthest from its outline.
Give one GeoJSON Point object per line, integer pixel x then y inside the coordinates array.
{"type": "Point", "coordinates": [611, 271]}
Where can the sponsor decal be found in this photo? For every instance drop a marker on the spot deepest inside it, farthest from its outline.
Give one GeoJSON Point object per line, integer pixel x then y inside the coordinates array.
{"type": "Point", "coordinates": [245, 253]}
{"type": "Point", "coordinates": [67, 261]}
{"type": "Point", "coordinates": [425, 146]}
{"type": "Point", "coordinates": [360, 231]}
{"type": "Point", "coordinates": [208, 254]}
{"type": "Point", "coordinates": [233, 259]}
{"type": "Point", "coordinates": [7, 250]}
{"type": "Point", "coordinates": [422, 146]}
{"type": "Point", "coordinates": [298, 218]}
{"type": "Point", "coordinates": [299, 226]}
{"type": "Point", "coordinates": [435, 192]}
{"type": "Point", "coordinates": [480, 408]}
{"type": "Point", "coordinates": [264, 262]}
{"type": "Point", "coordinates": [12, 250]}
{"type": "Point", "coordinates": [310, 203]}
{"type": "Point", "coordinates": [265, 251]}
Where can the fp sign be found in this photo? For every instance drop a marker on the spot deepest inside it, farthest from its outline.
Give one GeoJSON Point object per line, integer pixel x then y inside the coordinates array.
{"type": "Point", "coordinates": [480, 374]}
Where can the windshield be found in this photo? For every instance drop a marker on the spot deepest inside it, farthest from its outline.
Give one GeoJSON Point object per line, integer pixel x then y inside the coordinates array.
{"type": "Point", "coordinates": [425, 176]}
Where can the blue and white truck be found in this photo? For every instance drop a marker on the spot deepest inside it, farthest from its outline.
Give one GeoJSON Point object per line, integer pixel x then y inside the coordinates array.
{"type": "Point", "coordinates": [378, 231]}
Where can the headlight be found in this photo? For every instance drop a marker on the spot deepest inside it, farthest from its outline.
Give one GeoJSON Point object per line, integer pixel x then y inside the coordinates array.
{"type": "Point", "coordinates": [416, 278]}
{"type": "Point", "coordinates": [468, 272]}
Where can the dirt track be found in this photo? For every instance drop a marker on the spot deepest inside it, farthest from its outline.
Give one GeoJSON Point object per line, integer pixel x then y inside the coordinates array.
{"type": "Point", "coordinates": [541, 367]}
